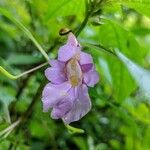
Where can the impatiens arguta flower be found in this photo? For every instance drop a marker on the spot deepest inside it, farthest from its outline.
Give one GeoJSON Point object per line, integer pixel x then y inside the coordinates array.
{"type": "Point", "coordinates": [69, 76]}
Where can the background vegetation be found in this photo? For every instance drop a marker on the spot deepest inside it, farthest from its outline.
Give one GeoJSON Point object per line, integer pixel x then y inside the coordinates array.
{"type": "Point", "coordinates": [111, 31]}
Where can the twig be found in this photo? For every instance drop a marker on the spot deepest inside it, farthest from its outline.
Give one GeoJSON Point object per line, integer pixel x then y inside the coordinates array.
{"type": "Point", "coordinates": [14, 77]}
{"type": "Point", "coordinates": [85, 21]}
{"type": "Point", "coordinates": [31, 70]}
{"type": "Point", "coordinates": [89, 12]}
{"type": "Point", "coordinates": [12, 126]}
{"type": "Point", "coordinates": [100, 47]}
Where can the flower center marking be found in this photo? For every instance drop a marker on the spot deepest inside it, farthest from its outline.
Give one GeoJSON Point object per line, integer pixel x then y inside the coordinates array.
{"type": "Point", "coordinates": [74, 72]}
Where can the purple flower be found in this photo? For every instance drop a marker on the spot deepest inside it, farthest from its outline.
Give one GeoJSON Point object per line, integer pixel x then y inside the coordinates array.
{"type": "Point", "coordinates": [67, 93]}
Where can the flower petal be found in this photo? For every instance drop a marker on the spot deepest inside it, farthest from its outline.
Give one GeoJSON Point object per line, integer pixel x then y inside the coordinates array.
{"type": "Point", "coordinates": [67, 51]}
{"type": "Point", "coordinates": [70, 49]}
{"type": "Point", "coordinates": [85, 58]}
{"type": "Point", "coordinates": [53, 93]}
{"type": "Point", "coordinates": [56, 63]}
{"type": "Point", "coordinates": [72, 40]}
{"type": "Point", "coordinates": [64, 105]}
{"type": "Point", "coordinates": [55, 75]}
{"type": "Point", "coordinates": [86, 67]}
{"type": "Point", "coordinates": [91, 78]}
{"type": "Point", "coordinates": [81, 106]}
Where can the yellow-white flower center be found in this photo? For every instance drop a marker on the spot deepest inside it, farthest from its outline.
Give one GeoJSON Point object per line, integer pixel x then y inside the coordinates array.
{"type": "Point", "coordinates": [74, 72]}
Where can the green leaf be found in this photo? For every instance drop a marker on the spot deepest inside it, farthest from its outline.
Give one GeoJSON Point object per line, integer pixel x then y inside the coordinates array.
{"type": "Point", "coordinates": [122, 39]}
{"type": "Point", "coordinates": [118, 37]}
{"type": "Point", "coordinates": [141, 75]}
{"type": "Point", "coordinates": [4, 144]}
{"type": "Point", "coordinates": [18, 9]}
{"type": "Point", "coordinates": [22, 59]}
{"type": "Point", "coordinates": [81, 143]}
{"type": "Point", "coordinates": [142, 6]}
{"type": "Point", "coordinates": [25, 30]}
{"type": "Point", "coordinates": [139, 111]}
{"type": "Point", "coordinates": [64, 8]}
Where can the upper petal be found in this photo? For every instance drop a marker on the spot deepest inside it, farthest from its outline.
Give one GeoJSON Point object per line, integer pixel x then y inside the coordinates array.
{"type": "Point", "coordinates": [70, 49]}
{"type": "Point", "coordinates": [67, 51]}
{"type": "Point", "coordinates": [85, 58]}
{"type": "Point", "coordinates": [53, 93]}
{"type": "Point", "coordinates": [91, 77]}
{"type": "Point", "coordinates": [72, 40]}
{"type": "Point", "coordinates": [81, 106]}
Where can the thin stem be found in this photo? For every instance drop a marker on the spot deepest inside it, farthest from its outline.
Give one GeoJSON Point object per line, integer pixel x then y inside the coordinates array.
{"type": "Point", "coordinates": [12, 126]}
{"type": "Point", "coordinates": [73, 129]}
{"type": "Point", "coordinates": [106, 49]}
{"type": "Point", "coordinates": [31, 70]}
{"type": "Point", "coordinates": [85, 21]}
{"type": "Point", "coordinates": [25, 30]}
{"type": "Point", "coordinates": [7, 74]}
{"type": "Point", "coordinates": [100, 47]}
{"type": "Point", "coordinates": [40, 48]}
{"type": "Point", "coordinates": [90, 8]}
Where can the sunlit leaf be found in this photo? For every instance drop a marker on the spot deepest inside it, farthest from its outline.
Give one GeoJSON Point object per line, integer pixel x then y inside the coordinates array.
{"type": "Point", "coordinates": [141, 75]}
{"type": "Point", "coordinates": [64, 8]}
{"type": "Point", "coordinates": [142, 6]}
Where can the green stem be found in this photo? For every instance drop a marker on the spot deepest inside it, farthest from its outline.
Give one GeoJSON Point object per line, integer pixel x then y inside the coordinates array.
{"type": "Point", "coordinates": [85, 21]}
{"type": "Point", "coordinates": [10, 128]}
{"type": "Point", "coordinates": [25, 30]}
{"type": "Point", "coordinates": [100, 47]}
{"type": "Point", "coordinates": [74, 130]}
{"type": "Point", "coordinates": [7, 74]}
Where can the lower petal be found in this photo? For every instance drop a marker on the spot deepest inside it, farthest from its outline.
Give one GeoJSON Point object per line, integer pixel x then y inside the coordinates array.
{"type": "Point", "coordinates": [61, 108]}
{"type": "Point", "coordinates": [81, 106]}
{"type": "Point", "coordinates": [64, 105]}
{"type": "Point", "coordinates": [53, 93]}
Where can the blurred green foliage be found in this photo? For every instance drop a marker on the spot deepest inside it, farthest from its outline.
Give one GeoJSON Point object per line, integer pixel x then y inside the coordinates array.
{"type": "Point", "coordinates": [120, 116]}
